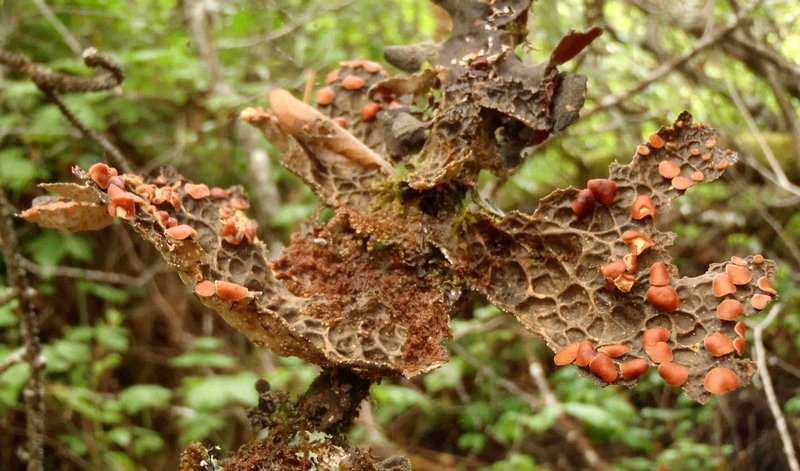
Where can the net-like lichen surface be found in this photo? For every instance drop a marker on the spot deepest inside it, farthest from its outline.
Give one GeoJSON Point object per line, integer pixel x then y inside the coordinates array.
{"type": "Point", "coordinates": [397, 159]}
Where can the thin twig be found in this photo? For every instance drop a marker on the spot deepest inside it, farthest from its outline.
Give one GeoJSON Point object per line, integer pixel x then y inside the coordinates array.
{"type": "Point", "coordinates": [783, 180]}
{"type": "Point", "coordinates": [786, 107]}
{"type": "Point", "coordinates": [769, 391]}
{"type": "Point", "coordinates": [117, 158]}
{"type": "Point", "coordinates": [65, 33]}
{"type": "Point", "coordinates": [94, 275]}
{"type": "Point", "coordinates": [53, 84]}
{"type": "Point", "coordinates": [109, 75]}
{"type": "Point", "coordinates": [496, 322]}
{"type": "Point", "coordinates": [572, 433]}
{"type": "Point", "coordinates": [787, 239]}
{"type": "Point", "coordinates": [297, 22]}
{"type": "Point", "coordinates": [785, 366]}
{"type": "Point", "coordinates": [756, 47]}
{"type": "Point", "coordinates": [198, 16]}
{"type": "Point", "coordinates": [613, 100]}
{"type": "Point", "coordinates": [28, 312]}
{"type": "Point", "coordinates": [8, 295]}
{"type": "Point", "coordinates": [263, 183]}
{"type": "Point", "coordinates": [509, 386]}
{"type": "Point", "coordinates": [17, 356]}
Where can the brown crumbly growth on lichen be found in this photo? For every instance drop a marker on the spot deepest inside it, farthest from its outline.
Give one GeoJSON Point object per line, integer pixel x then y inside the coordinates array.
{"type": "Point", "coordinates": [366, 291]}
{"type": "Point", "coordinates": [372, 289]}
{"type": "Point", "coordinates": [194, 457]}
{"type": "Point", "coordinates": [307, 433]}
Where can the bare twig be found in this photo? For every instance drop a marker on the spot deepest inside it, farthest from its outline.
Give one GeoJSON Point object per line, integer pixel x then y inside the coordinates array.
{"type": "Point", "coordinates": [198, 15]}
{"type": "Point", "coordinates": [757, 48]}
{"type": "Point", "coordinates": [116, 156]}
{"type": "Point", "coordinates": [572, 432]}
{"type": "Point", "coordinates": [53, 84]}
{"type": "Point", "coordinates": [17, 356]}
{"type": "Point", "coordinates": [297, 22]}
{"type": "Point", "coordinates": [613, 100]}
{"type": "Point", "coordinates": [782, 180]}
{"type": "Point", "coordinates": [94, 275]}
{"type": "Point", "coordinates": [263, 184]}
{"type": "Point", "coordinates": [788, 240]}
{"type": "Point", "coordinates": [769, 391]}
{"type": "Point", "coordinates": [787, 109]}
{"type": "Point", "coordinates": [28, 313]}
{"type": "Point", "coordinates": [492, 324]}
{"type": "Point", "coordinates": [65, 33]}
{"type": "Point", "coordinates": [785, 366]}
{"type": "Point", "coordinates": [109, 76]}
{"type": "Point", "coordinates": [8, 295]}
{"type": "Point", "coordinates": [504, 383]}
{"type": "Point", "coordinates": [199, 20]}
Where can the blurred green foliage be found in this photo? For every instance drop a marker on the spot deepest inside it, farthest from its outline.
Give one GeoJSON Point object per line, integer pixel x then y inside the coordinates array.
{"type": "Point", "coordinates": [135, 371]}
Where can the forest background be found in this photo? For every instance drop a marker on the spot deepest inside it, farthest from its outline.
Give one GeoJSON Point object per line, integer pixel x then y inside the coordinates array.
{"type": "Point", "coordinates": [137, 368]}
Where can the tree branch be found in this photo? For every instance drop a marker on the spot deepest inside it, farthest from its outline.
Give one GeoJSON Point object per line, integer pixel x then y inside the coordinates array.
{"type": "Point", "coordinates": [8, 295]}
{"type": "Point", "coordinates": [28, 313]}
{"type": "Point", "coordinates": [571, 432]}
{"type": "Point", "coordinates": [53, 84]}
{"type": "Point", "coordinates": [780, 176]}
{"type": "Point", "coordinates": [17, 356]}
{"type": "Point", "coordinates": [111, 150]}
{"type": "Point", "coordinates": [93, 275]}
{"type": "Point", "coordinates": [297, 22]}
{"type": "Point", "coordinates": [615, 99]}
{"type": "Point", "coordinates": [109, 76]}
{"type": "Point", "coordinates": [59, 26]}
{"type": "Point", "coordinates": [769, 391]}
